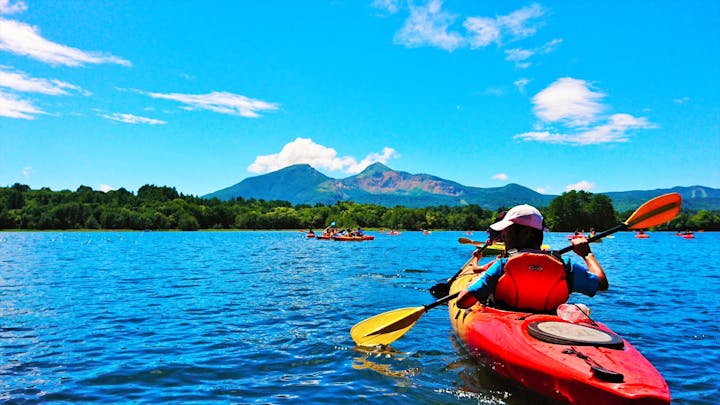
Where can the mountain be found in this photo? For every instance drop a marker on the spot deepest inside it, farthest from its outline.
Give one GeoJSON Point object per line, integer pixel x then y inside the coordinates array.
{"type": "Point", "coordinates": [379, 184]}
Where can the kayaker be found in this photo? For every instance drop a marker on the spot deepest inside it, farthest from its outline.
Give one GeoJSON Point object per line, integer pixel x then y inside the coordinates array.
{"type": "Point", "coordinates": [538, 281]}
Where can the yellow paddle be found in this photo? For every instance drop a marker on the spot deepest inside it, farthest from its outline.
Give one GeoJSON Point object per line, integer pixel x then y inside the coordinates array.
{"type": "Point", "coordinates": [387, 327]}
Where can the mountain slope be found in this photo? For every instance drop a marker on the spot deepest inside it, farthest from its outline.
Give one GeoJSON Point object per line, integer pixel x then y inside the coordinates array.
{"type": "Point", "coordinates": [293, 183]}
{"type": "Point", "coordinates": [694, 197]}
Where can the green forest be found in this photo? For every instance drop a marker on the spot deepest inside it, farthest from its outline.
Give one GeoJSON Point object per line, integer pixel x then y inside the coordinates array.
{"type": "Point", "coordinates": [163, 208]}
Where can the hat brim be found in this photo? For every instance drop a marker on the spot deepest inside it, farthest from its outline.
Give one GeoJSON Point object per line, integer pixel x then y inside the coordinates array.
{"type": "Point", "coordinates": [501, 225]}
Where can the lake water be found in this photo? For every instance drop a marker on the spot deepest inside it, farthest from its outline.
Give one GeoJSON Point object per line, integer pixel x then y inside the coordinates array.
{"type": "Point", "coordinates": [264, 317]}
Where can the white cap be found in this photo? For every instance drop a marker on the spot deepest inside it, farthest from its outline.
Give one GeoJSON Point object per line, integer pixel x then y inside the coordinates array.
{"type": "Point", "coordinates": [526, 215]}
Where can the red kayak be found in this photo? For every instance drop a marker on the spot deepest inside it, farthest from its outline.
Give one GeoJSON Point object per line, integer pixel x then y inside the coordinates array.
{"type": "Point", "coordinates": [642, 235]}
{"type": "Point", "coordinates": [579, 361]}
{"type": "Point", "coordinates": [357, 238]}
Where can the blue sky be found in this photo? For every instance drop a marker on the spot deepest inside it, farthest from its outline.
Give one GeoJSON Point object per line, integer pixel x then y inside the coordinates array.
{"type": "Point", "coordinates": [550, 95]}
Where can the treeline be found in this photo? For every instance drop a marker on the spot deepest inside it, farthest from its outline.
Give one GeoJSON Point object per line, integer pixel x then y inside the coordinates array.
{"type": "Point", "coordinates": [161, 208]}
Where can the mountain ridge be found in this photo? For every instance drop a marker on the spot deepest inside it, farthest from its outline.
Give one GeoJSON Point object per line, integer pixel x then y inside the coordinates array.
{"type": "Point", "coordinates": [379, 184]}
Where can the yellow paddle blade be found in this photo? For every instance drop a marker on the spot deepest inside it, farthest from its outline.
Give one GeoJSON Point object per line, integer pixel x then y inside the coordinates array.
{"type": "Point", "coordinates": [385, 328]}
{"type": "Point", "coordinates": [655, 212]}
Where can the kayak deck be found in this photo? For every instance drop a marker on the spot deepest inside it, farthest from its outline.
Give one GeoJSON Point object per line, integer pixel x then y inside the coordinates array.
{"type": "Point", "coordinates": [569, 371]}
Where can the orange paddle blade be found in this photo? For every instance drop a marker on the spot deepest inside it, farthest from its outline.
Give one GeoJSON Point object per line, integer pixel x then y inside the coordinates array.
{"type": "Point", "coordinates": [655, 212]}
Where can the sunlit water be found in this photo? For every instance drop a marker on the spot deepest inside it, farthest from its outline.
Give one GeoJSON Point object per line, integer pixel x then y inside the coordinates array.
{"type": "Point", "coordinates": [264, 317]}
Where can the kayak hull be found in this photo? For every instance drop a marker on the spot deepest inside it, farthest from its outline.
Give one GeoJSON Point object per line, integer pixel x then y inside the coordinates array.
{"type": "Point", "coordinates": [353, 238]}
{"type": "Point", "coordinates": [560, 370]}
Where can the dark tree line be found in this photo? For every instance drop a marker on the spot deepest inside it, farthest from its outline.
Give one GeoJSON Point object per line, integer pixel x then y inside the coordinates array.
{"type": "Point", "coordinates": [162, 207]}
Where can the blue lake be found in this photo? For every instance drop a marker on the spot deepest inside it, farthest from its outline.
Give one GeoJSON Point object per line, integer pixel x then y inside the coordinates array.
{"type": "Point", "coordinates": [264, 317]}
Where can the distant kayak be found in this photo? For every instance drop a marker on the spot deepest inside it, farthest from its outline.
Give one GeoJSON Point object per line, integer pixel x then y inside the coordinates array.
{"type": "Point", "coordinates": [354, 238]}
{"type": "Point", "coordinates": [642, 235]}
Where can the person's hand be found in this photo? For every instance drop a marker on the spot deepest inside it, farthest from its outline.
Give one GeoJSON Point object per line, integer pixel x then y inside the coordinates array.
{"type": "Point", "coordinates": [477, 254]}
{"type": "Point", "coordinates": [581, 246]}
{"type": "Point", "coordinates": [465, 299]}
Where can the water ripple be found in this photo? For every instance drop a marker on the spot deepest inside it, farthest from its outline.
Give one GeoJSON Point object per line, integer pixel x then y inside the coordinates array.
{"type": "Point", "coordinates": [264, 317]}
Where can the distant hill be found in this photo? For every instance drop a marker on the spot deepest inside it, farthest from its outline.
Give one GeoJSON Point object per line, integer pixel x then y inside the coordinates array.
{"type": "Point", "coordinates": [379, 184]}
{"type": "Point", "coordinates": [694, 197]}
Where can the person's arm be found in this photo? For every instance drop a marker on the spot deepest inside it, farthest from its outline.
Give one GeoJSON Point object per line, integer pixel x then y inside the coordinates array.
{"type": "Point", "coordinates": [582, 248]}
{"type": "Point", "coordinates": [475, 262]}
{"type": "Point", "coordinates": [481, 288]}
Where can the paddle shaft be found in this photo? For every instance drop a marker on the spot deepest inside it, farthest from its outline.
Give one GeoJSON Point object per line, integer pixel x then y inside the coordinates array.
{"type": "Point", "coordinates": [596, 237]}
{"type": "Point", "coordinates": [480, 250]}
{"type": "Point", "coordinates": [441, 301]}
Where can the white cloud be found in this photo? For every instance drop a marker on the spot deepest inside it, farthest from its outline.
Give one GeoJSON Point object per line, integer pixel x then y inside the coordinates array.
{"type": "Point", "coordinates": [542, 136]}
{"type": "Point", "coordinates": [681, 100]}
{"type": "Point", "coordinates": [105, 188]}
{"type": "Point", "coordinates": [580, 186]}
{"type": "Point", "coordinates": [23, 39]}
{"type": "Point", "coordinates": [521, 83]}
{"type": "Point", "coordinates": [304, 150]}
{"type": "Point", "coordinates": [19, 81]}
{"type": "Point", "coordinates": [16, 7]}
{"type": "Point", "coordinates": [13, 107]}
{"type": "Point", "coordinates": [543, 190]}
{"type": "Point", "coordinates": [428, 25]}
{"type": "Point", "coordinates": [615, 130]}
{"type": "Point", "coordinates": [26, 171]}
{"type": "Point", "coordinates": [500, 176]}
{"type": "Point", "coordinates": [518, 22]}
{"type": "Point", "coordinates": [550, 46]}
{"type": "Point", "coordinates": [571, 103]}
{"type": "Point", "coordinates": [132, 119]}
{"type": "Point", "coordinates": [391, 6]}
{"type": "Point", "coordinates": [518, 54]}
{"type": "Point", "coordinates": [568, 100]}
{"type": "Point", "coordinates": [220, 102]}
{"type": "Point", "coordinates": [483, 31]}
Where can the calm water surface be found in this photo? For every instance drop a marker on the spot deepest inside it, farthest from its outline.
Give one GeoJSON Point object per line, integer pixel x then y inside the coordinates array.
{"type": "Point", "coordinates": [264, 317]}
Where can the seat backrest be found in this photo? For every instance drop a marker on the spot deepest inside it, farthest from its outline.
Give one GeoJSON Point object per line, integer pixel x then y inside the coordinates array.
{"type": "Point", "coordinates": [532, 282]}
